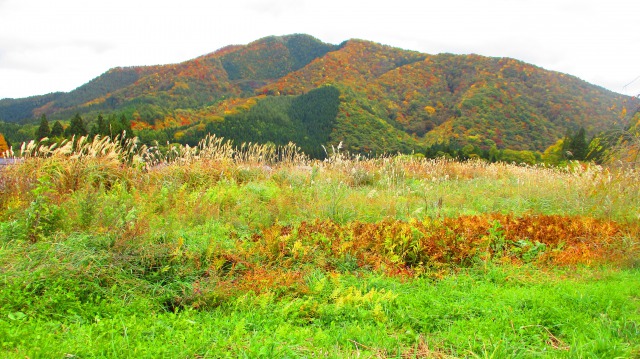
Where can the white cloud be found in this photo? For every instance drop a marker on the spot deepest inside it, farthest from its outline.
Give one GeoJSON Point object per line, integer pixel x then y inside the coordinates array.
{"type": "Point", "coordinates": [57, 46]}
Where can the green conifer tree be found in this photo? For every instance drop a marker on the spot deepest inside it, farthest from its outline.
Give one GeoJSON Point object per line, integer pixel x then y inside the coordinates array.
{"type": "Point", "coordinates": [579, 145]}
{"type": "Point", "coordinates": [100, 127]}
{"type": "Point", "coordinates": [43, 130]}
{"type": "Point", "coordinates": [125, 125]}
{"type": "Point", "coordinates": [113, 128]}
{"type": "Point", "coordinates": [57, 130]}
{"type": "Point", "coordinates": [76, 127]}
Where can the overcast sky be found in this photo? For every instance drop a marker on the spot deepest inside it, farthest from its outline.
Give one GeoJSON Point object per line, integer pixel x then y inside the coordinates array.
{"type": "Point", "coordinates": [48, 46]}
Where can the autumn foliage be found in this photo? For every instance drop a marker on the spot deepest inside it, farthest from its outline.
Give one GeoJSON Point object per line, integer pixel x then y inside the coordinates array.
{"type": "Point", "coordinates": [391, 100]}
{"type": "Point", "coordinates": [279, 258]}
{"type": "Point", "coordinates": [3, 145]}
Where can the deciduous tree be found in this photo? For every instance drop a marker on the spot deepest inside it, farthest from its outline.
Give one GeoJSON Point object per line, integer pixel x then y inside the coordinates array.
{"type": "Point", "coordinates": [4, 146]}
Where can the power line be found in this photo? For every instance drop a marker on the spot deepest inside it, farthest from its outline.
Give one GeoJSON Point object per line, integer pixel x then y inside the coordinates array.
{"type": "Point", "coordinates": [634, 80]}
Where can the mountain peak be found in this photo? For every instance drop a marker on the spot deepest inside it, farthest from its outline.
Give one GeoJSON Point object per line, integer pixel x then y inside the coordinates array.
{"type": "Point", "coordinates": [403, 99]}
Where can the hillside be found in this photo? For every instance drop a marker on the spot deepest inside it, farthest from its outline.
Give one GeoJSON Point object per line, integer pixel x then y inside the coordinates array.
{"type": "Point", "coordinates": [389, 99]}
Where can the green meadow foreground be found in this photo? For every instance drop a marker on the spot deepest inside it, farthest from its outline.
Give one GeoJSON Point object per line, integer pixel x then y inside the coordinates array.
{"type": "Point", "coordinates": [123, 251]}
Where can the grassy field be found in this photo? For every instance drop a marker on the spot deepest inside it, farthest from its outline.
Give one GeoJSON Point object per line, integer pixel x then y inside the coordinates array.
{"type": "Point", "coordinates": [117, 251]}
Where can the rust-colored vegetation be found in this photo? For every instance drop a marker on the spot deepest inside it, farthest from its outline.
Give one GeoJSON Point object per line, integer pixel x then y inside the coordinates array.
{"type": "Point", "coordinates": [277, 258]}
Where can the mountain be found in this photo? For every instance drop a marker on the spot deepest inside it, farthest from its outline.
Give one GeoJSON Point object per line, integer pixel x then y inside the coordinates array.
{"type": "Point", "coordinates": [372, 97]}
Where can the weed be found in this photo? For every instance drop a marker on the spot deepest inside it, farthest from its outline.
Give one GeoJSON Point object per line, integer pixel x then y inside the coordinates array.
{"type": "Point", "coordinates": [42, 217]}
{"type": "Point", "coordinates": [497, 241]}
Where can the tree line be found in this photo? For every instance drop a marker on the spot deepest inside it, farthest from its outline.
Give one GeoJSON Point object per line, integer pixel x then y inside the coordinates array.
{"type": "Point", "coordinates": [308, 120]}
{"type": "Point", "coordinates": [112, 126]}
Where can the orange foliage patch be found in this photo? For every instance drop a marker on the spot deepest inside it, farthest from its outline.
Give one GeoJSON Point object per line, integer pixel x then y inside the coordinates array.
{"type": "Point", "coordinates": [277, 259]}
{"type": "Point", "coordinates": [140, 125]}
{"type": "Point", "coordinates": [261, 280]}
{"type": "Point", "coordinates": [459, 241]}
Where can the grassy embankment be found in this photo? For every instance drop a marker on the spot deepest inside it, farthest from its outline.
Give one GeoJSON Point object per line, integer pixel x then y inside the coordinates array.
{"type": "Point", "coordinates": [212, 251]}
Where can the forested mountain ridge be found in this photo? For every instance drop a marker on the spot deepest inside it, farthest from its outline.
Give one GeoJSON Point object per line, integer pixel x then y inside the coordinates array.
{"type": "Point", "coordinates": [152, 90]}
{"type": "Point", "coordinates": [387, 99]}
{"type": "Point", "coordinates": [475, 99]}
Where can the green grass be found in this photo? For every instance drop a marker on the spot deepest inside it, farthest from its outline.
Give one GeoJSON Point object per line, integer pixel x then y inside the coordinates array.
{"type": "Point", "coordinates": [503, 312]}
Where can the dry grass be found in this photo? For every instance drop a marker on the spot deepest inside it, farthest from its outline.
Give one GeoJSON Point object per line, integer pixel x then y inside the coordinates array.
{"type": "Point", "coordinates": [343, 184]}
